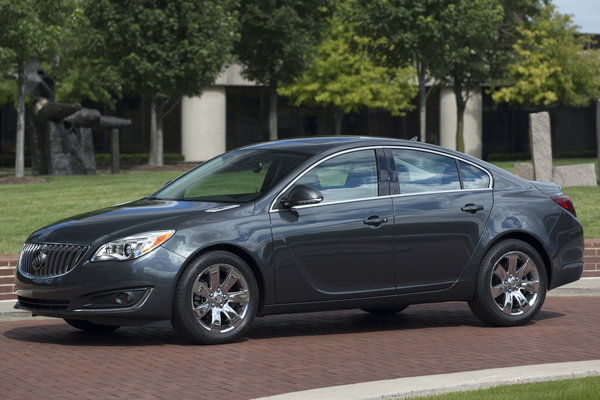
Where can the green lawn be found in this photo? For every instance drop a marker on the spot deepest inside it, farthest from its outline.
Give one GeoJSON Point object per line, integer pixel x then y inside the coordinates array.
{"type": "Point", "coordinates": [568, 389]}
{"type": "Point", "coordinates": [25, 208]}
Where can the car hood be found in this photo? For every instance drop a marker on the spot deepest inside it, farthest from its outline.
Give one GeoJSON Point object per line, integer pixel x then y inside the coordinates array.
{"type": "Point", "coordinates": [132, 218]}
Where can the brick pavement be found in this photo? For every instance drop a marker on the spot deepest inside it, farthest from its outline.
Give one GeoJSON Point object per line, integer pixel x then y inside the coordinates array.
{"type": "Point", "coordinates": [48, 359]}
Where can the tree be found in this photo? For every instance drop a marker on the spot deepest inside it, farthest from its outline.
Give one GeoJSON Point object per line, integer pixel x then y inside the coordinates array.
{"type": "Point", "coordinates": [162, 50]}
{"type": "Point", "coordinates": [471, 30]}
{"type": "Point", "coordinates": [554, 64]}
{"type": "Point", "coordinates": [406, 32]}
{"type": "Point", "coordinates": [276, 40]}
{"type": "Point", "coordinates": [30, 28]}
{"type": "Point", "coordinates": [347, 80]}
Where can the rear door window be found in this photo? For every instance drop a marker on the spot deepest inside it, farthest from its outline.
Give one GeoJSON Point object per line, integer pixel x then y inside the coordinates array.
{"type": "Point", "coordinates": [422, 171]}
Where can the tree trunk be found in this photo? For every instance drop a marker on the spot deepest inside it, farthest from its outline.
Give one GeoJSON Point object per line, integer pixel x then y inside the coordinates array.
{"type": "Point", "coordinates": [273, 111]}
{"type": "Point", "coordinates": [338, 118]}
{"type": "Point", "coordinates": [422, 103]}
{"type": "Point", "coordinates": [152, 152]}
{"type": "Point", "coordinates": [155, 156]}
{"type": "Point", "coordinates": [20, 148]}
{"type": "Point", "coordinates": [461, 105]}
{"type": "Point", "coordinates": [115, 166]}
{"type": "Point", "coordinates": [160, 114]}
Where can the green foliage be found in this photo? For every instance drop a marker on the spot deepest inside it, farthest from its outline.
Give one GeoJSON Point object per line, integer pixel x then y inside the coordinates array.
{"type": "Point", "coordinates": [82, 73]}
{"type": "Point", "coordinates": [403, 31]}
{"type": "Point", "coordinates": [276, 36]}
{"type": "Point", "coordinates": [346, 79]}
{"type": "Point", "coordinates": [30, 28]}
{"type": "Point", "coordinates": [553, 65]}
{"type": "Point", "coordinates": [164, 49]}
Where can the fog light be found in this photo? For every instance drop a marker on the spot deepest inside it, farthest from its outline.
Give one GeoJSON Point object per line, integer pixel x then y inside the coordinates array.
{"type": "Point", "coordinates": [123, 298]}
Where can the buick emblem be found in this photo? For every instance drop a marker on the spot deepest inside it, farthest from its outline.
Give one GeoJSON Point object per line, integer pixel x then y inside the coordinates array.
{"type": "Point", "coordinates": [39, 260]}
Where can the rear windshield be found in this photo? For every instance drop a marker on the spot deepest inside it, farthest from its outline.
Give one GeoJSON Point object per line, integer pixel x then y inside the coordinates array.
{"type": "Point", "coordinates": [236, 177]}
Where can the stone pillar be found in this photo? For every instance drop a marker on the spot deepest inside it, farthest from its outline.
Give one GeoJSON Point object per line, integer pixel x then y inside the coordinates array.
{"type": "Point", "coordinates": [472, 122]}
{"type": "Point", "coordinates": [541, 145]}
{"type": "Point", "coordinates": [203, 124]}
{"type": "Point", "coordinates": [447, 119]}
{"type": "Point", "coordinates": [473, 125]}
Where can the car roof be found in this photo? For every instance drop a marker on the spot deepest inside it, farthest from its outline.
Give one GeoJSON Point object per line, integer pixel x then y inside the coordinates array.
{"type": "Point", "coordinates": [319, 144]}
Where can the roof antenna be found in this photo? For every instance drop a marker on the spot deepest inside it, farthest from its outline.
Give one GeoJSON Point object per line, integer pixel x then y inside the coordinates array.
{"type": "Point", "coordinates": [414, 139]}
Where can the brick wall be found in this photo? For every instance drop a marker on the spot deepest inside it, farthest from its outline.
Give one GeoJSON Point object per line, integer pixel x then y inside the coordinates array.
{"type": "Point", "coordinates": [8, 263]}
{"type": "Point", "coordinates": [592, 258]}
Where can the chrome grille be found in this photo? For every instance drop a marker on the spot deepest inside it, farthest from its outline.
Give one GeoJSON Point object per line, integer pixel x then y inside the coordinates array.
{"type": "Point", "coordinates": [49, 259]}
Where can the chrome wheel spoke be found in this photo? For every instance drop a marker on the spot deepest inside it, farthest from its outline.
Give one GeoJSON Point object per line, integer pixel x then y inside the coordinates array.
{"type": "Point", "coordinates": [232, 278]}
{"type": "Point", "coordinates": [508, 304]}
{"type": "Point", "coordinates": [215, 277]}
{"type": "Point", "coordinates": [497, 291]}
{"type": "Point", "coordinates": [232, 315]}
{"type": "Point", "coordinates": [200, 289]}
{"type": "Point", "coordinates": [202, 310]}
{"type": "Point", "coordinates": [531, 286]}
{"type": "Point", "coordinates": [500, 273]}
{"type": "Point", "coordinates": [216, 320]}
{"type": "Point", "coordinates": [513, 261]}
{"type": "Point", "coordinates": [522, 300]}
{"type": "Point", "coordinates": [239, 297]}
{"type": "Point", "coordinates": [527, 267]}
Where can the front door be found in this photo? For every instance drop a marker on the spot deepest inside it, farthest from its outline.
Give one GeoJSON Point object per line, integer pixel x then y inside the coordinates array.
{"type": "Point", "coordinates": [342, 247]}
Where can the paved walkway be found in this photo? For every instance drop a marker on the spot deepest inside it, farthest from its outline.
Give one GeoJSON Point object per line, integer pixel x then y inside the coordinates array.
{"type": "Point", "coordinates": [288, 353]}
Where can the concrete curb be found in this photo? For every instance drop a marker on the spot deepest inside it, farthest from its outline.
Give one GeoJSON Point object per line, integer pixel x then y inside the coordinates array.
{"type": "Point", "coordinates": [445, 383]}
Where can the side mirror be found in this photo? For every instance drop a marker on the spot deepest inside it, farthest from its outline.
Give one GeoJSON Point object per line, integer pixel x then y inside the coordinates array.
{"type": "Point", "coordinates": [302, 195]}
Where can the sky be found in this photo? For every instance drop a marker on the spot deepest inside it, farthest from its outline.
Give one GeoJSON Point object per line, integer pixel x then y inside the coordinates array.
{"type": "Point", "coordinates": [585, 13]}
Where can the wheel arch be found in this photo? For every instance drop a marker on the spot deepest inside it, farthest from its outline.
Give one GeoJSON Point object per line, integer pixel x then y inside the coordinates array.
{"type": "Point", "coordinates": [241, 253]}
{"type": "Point", "coordinates": [533, 242]}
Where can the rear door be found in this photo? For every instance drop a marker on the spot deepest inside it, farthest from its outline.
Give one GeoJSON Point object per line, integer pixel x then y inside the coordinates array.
{"type": "Point", "coordinates": [439, 217]}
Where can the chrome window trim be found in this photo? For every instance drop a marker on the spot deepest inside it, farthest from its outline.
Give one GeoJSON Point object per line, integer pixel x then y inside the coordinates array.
{"type": "Point", "coordinates": [490, 185]}
{"type": "Point", "coordinates": [441, 191]}
{"type": "Point", "coordinates": [289, 185]}
{"type": "Point", "coordinates": [307, 170]}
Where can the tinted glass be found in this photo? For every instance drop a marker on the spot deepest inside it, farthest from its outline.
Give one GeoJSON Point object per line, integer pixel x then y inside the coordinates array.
{"type": "Point", "coordinates": [473, 177]}
{"type": "Point", "coordinates": [421, 171]}
{"type": "Point", "coordinates": [349, 176]}
{"type": "Point", "coordinates": [238, 176]}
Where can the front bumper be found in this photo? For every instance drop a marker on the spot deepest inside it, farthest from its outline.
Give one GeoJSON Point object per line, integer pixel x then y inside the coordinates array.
{"type": "Point", "coordinates": [107, 292]}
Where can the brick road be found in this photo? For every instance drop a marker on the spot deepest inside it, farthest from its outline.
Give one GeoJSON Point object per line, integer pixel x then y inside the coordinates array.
{"type": "Point", "coordinates": [48, 359]}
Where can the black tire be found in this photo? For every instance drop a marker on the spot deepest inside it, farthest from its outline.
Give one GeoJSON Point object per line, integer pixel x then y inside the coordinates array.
{"type": "Point", "coordinates": [511, 284]}
{"type": "Point", "coordinates": [216, 299]}
{"type": "Point", "coordinates": [91, 327]}
{"type": "Point", "coordinates": [385, 310]}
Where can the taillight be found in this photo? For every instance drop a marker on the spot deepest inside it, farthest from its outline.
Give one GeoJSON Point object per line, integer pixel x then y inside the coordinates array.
{"type": "Point", "coordinates": [566, 203]}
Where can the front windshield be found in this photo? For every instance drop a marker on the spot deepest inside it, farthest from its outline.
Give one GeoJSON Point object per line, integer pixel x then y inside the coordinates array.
{"type": "Point", "coordinates": [236, 177]}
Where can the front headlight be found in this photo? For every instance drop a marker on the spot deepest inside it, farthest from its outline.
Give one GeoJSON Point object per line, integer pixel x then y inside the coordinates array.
{"type": "Point", "coordinates": [131, 247]}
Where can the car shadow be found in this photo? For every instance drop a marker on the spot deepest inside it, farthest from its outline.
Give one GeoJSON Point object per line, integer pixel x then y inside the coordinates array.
{"type": "Point", "coordinates": [276, 326]}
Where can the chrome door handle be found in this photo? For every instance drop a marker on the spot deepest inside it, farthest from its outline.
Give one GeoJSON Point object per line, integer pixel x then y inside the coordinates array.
{"type": "Point", "coordinates": [375, 221]}
{"type": "Point", "coordinates": [472, 208]}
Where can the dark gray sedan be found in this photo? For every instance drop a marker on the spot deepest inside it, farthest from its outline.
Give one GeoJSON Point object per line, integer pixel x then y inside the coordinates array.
{"type": "Point", "coordinates": [303, 225]}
